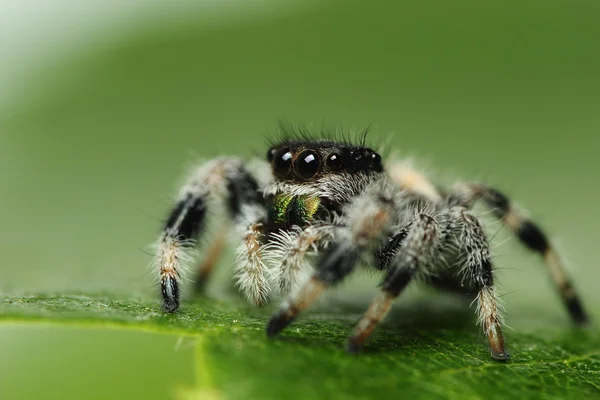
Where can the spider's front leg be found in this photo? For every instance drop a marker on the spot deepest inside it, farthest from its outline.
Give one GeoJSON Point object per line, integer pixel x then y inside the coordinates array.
{"type": "Point", "coordinates": [222, 178]}
{"type": "Point", "coordinates": [367, 219]}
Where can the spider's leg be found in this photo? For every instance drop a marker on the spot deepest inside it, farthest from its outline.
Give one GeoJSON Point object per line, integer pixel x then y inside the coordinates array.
{"type": "Point", "coordinates": [368, 218]}
{"type": "Point", "coordinates": [219, 178]}
{"type": "Point", "coordinates": [384, 256]}
{"type": "Point", "coordinates": [477, 271]}
{"type": "Point", "coordinates": [289, 251]}
{"type": "Point", "coordinates": [213, 254]}
{"type": "Point", "coordinates": [409, 252]}
{"type": "Point", "coordinates": [532, 236]}
{"type": "Point", "coordinates": [413, 181]}
{"type": "Point", "coordinates": [449, 282]}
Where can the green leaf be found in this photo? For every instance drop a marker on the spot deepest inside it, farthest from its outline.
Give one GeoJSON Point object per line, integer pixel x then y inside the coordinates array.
{"type": "Point", "coordinates": [432, 353]}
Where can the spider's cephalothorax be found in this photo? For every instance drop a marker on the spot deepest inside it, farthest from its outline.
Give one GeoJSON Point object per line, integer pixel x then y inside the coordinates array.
{"type": "Point", "coordinates": [335, 201]}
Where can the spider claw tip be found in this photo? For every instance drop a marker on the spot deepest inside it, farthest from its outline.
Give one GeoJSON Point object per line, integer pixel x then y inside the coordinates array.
{"type": "Point", "coordinates": [278, 323]}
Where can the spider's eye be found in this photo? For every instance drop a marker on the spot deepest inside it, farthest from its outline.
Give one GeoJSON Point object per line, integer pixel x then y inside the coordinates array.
{"type": "Point", "coordinates": [376, 162]}
{"type": "Point", "coordinates": [271, 154]}
{"type": "Point", "coordinates": [307, 164]}
{"type": "Point", "coordinates": [334, 162]}
{"type": "Point", "coordinates": [282, 162]}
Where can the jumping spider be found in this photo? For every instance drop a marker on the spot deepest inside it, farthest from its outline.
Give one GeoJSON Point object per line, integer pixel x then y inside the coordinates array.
{"type": "Point", "coordinates": [336, 200]}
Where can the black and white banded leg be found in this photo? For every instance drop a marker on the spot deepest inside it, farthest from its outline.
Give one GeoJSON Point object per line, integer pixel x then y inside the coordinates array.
{"type": "Point", "coordinates": [532, 236]}
{"type": "Point", "coordinates": [222, 178]}
{"type": "Point", "coordinates": [368, 219]}
{"type": "Point", "coordinates": [408, 253]}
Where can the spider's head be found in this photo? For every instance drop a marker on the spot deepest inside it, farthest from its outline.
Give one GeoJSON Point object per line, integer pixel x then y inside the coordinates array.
{"type": "Point", "coordinates": [307, 161]}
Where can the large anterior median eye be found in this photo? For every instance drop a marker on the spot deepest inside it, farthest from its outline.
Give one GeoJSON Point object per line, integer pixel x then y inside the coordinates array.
{"type": "Point", "coordinates": [282, 163]}
{"type": "Point", "coordinates": [307, 164]}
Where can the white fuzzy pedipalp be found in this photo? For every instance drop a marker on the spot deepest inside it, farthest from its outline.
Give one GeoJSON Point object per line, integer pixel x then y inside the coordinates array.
{"type": "Point", "coordinates": [250, 272]}
{"type": "Point", "coordinates": [288, 255]}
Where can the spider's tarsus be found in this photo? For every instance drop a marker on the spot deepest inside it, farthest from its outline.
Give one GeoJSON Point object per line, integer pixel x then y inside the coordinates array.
{"type": "Point", "coordinates": [170, 294]}
{"type": "Point", "coordinates": [170, 306]}
{"type": "Point", "coordinates": [353, 346]}
{"type": "Point", "coordinates": [279, 322]}
{"type": "Point", "coordinates": [577, 312]}
{"type": "Point", "coordinates": [200, 282]}
{"type": "Point", "coordinates": [500, 356]}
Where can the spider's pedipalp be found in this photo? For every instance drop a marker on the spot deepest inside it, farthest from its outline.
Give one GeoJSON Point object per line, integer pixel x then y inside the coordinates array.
{"type": "Point", "coordinates": [368, 219]}
{"type": "Point", "coordinates": [415, 247]}
{"type": "Point", "coordinates": [288, 251]}
{"type": "Point", "coordinates": [221, 178]}
{"type": "Point", "coordinates": [532, 237]}
{"type": "Point", "coordinates": [250, 271]}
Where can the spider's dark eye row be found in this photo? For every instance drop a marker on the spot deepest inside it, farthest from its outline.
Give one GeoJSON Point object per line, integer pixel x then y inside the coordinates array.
{"type": "Point", "coordinates": [288, 164]}
{"type": "Point", "coordinates": [307, 164]}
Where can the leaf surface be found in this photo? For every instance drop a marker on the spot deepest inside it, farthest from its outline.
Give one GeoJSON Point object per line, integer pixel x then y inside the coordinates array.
{"type": "Point", "coordinates": [445, 358]}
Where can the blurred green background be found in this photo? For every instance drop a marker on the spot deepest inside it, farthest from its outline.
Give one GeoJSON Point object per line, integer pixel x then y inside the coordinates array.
{"type": "Point", "coordinates": [97, 132]}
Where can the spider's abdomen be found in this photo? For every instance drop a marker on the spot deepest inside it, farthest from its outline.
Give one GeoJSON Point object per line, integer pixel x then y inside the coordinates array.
{"type": "Point", "coordinates": [287, 211]}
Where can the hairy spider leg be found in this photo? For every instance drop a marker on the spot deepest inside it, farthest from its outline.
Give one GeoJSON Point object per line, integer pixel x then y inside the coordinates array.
{"type": "Point", "coordinates": [532, 236]}
{"type": "Point", "coordinates": [213, 254]}
{"type": "Point", "coordinates": [413, 181]}
{"type": "Point", "coordinates": [477, 271]}
{"type": "Point", "coordinates": [406, 254]}
{"type": "Point", "coordinates": [221, 178]}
